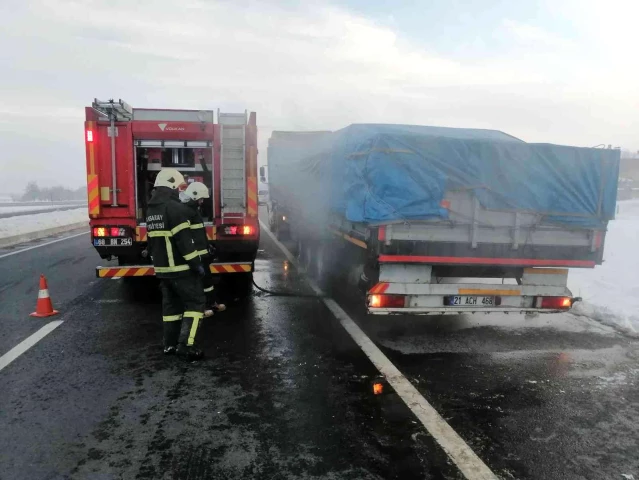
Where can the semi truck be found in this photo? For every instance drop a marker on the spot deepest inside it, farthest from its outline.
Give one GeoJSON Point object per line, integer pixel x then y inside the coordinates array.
{"type": "Point", "coordinates": [125, 149]}
{"type": "Point", "coordinates": [433, 220]}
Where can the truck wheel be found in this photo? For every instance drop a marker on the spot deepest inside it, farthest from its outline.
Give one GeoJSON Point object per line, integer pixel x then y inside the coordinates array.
{"type": "Point", "coordinates": [321, 263]}
{"type": "Point", "coordinates": [324, 261]}
{"type": "Point", "coordinates": [241, 285]}
{"type": "Point", "coordinates": [307, 259]}
{"type": "Point", "coordinates": [319, 270]}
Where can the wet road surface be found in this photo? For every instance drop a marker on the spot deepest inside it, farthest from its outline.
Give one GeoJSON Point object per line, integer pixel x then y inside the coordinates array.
{"type": "Point", "coordinates": [285, 392]}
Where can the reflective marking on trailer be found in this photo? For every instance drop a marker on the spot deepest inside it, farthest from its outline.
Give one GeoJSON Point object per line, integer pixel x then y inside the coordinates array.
{"type": "Point", "coordinates": [470, 465]}
{"type": "Point", "coordinates": [520, 262]}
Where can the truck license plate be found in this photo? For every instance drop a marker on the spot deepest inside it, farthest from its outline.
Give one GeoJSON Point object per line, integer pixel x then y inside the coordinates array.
{"type": "Point", "coordinates": [472, 301]}
{"type": "Point", "coordinates": [113, 242]}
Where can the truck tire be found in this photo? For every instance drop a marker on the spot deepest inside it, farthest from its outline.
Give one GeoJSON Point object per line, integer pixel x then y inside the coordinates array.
{"type": "Point", "coordinates": [326, 258]}
{"type": "Point", "coordinates": [320, 263]}
{"type": "Point", "coordinates": [241, 286]}
{"type": "Point", "coordinates": [306, 256]}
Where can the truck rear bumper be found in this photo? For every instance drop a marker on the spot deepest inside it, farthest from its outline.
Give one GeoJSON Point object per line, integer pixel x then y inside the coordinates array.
{"type": "Point", "coordinates": [458, 311]}
{"type": "Point", "coordinates": [453, 299]}
{"type": "Point", "coordinates": [148, 271]}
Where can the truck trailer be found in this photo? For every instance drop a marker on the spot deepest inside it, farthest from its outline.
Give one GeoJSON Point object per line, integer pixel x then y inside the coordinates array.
{"type": "Point", "coordinates": [433, 220]}
{"type": "Point", "coordinates": [126, 148]}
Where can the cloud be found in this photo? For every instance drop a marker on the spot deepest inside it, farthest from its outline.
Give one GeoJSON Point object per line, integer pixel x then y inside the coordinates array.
{"type": "Point", "coordinates": [536, 36]}
{"type": "Point", "coordinates": [315, 66]}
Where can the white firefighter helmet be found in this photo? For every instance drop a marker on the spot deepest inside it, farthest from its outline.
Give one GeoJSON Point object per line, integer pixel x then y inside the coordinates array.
{"type": "Point", "coordinates": [169, 177]}
{"type": "Point", "coordinates": [196, 190]}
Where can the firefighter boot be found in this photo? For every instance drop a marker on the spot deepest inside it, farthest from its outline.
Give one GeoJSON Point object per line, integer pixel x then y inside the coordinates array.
{"type": "Point", "coordinates": [211, 302]}
{"type": "Point", "coordinates": [191, 353]}
{"type": "Point", "coordinates": [186, 344]}
{"type": "Point", "coordinates": [171, 334]}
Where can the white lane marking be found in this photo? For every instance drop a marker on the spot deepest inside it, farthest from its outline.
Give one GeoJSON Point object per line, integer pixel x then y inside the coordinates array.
{"type": "Point", "coordinates": [27, 343]}
{"type": "Point", "coordinates": [43, 244]}
{"type": "Point", "coordinates": [471, 466]}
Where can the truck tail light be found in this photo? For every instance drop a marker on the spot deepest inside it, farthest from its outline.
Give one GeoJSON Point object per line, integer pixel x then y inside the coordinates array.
{"type": "Point", "coordinates": [244, 230]}
{"type": "Point", "coordinates": [387, 301]}
{"type": "Point", "coordinates": [89, 136]}
{"type": "Point", "coordinates": [110, 232]}
{"type": "Point", "coordinates": [556, 303]}
{"type": "Point", "coordinates": [118, 232]}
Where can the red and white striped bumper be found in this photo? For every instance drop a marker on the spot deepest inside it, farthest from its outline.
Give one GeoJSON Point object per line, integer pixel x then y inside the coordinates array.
{"type": "Point", "coordinates": [147, 271]}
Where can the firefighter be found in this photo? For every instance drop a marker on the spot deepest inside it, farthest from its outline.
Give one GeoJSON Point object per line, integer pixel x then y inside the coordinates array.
{"type": "Point", "coordinates": [193, 197]}
{"type": "Point", "coordinates": [177, 264]}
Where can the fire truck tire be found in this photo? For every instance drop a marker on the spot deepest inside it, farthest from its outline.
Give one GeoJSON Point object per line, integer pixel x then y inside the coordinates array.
{"type": "Point", "coordinates": [242, 285]}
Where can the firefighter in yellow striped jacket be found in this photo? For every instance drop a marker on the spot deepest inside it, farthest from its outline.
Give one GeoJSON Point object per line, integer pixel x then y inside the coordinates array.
{"type": "Point", "coordinates": [193, 197]}
{"type": "Point", "coordinates": [177, 264]}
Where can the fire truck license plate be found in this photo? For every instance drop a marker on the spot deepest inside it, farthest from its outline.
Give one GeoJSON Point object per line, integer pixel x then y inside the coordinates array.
{"type": "Point", "coordinates": [112, 242]}
{"type": "Point", "coordinates": [464, 301]}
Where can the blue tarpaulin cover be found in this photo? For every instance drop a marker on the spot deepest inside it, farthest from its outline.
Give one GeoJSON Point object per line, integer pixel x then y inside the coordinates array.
{"type": "Point", "coordinates": [381, 173]}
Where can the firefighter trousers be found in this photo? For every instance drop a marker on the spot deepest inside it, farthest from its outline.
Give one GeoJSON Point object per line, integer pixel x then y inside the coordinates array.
{"type": "Point", "coordinates": [183, 303]}
{"type": "Point", "coordinates": [207, 282]}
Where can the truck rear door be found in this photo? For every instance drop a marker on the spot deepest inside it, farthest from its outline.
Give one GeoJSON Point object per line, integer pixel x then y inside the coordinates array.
{"type": "Point", "coordinates": [109, 162]}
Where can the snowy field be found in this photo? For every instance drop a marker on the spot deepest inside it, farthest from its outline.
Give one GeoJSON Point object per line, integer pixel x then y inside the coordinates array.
{"type": "Point", "coordinates": [30, 223]}
{"type": "Point", "coordinates": [20, 209]}
{"type": "Point", "coordinates": [611, 290]}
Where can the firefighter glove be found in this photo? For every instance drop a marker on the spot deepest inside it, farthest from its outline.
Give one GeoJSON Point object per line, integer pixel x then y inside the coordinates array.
{"type": "Point", "coordinates": [200, 271]}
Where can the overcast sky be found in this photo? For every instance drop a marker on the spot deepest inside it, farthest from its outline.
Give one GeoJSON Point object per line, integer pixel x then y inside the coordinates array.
{"type": "Point", "coordinates": [550, 71]}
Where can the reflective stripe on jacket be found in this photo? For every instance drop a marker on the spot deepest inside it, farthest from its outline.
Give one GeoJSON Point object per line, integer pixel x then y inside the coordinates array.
{"type": "Point", "coordinates": [197, 229]}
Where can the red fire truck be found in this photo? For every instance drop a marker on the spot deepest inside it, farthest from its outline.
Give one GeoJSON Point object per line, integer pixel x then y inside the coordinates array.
{"type": "Point", "coordinates": [125, 149]}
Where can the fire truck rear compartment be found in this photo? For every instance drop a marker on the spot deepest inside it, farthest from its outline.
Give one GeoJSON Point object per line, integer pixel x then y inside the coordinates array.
{"type": "Point", "coordinates": [196, 164]}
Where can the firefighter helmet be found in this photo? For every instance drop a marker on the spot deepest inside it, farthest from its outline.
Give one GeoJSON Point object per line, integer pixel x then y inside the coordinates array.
{"type": "Point", "coordinates": [169, 177]}
{"type": "Point", "coordinates": [197, 190]}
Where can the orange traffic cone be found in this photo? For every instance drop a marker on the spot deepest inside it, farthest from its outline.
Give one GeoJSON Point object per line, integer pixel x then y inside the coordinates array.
{"type": "Point", "coordinates": [44, 307]}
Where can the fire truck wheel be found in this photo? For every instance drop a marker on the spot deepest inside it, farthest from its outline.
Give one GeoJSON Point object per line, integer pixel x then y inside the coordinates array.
{"type": "Point", "coordinates": [242, 285]}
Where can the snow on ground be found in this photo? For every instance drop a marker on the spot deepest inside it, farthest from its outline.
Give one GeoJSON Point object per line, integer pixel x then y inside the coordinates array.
{"type": "Point", "coordinates": [611, 291]}
{"type": "Point", "coordinates": [10, 209]}
{"type": "Point", "coordinates": [31, 223]}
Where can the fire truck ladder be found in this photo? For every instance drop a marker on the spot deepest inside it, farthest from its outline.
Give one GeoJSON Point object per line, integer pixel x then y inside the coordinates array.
{"type": "Point", "coordinates": [118, 111]}
{"type": "Point", "coordinates": [233, 163]}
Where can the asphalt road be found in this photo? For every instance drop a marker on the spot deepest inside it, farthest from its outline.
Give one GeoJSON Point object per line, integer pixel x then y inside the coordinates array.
{"type": "Point", "coordinates": [285, 392]}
